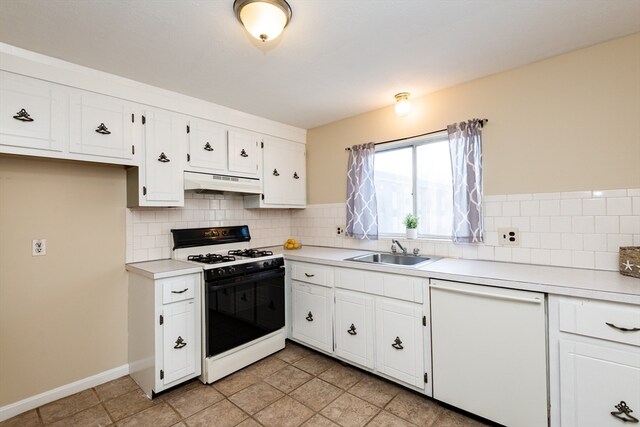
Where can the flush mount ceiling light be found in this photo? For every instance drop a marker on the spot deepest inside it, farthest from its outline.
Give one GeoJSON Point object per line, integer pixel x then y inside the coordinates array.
{"type": "Point", "coordinates": [403, 105]}
{"type": "Point", "coordinates": [263, 19]}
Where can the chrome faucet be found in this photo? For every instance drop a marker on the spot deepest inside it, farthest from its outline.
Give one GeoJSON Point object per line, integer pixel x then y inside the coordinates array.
{"type": "Point", "coordinates": [402, 248]}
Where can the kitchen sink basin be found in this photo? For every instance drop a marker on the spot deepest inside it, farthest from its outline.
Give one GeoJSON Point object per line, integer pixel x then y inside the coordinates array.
{"type": "Point", "coordinates": [393, 259]}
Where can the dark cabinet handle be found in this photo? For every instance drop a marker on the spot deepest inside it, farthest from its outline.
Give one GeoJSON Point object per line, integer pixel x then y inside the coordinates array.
{"type": "Point", "coordinates": [624, 413]}
{"type": "Point", "coordinates": [352, 330]}
{"type": "Point", "coordinates": [275, 172]}
{"type": "Point", "coordinates": [103, 129]}
{"type": "Point", "coordinates": [621, 328]}
{"type": "Point", "coordinates": [23, 116]}
{"type": "Point", "coordinates": [243, 297]}
{"type": "Point", "coordinates": [309, 275]}
{"type": "Point", "coordinates": [180, 292]}
{"type": "Point", "coordinates": [397, 344]}
{"type": "Point", "coordinates": [208, 147]}
{"type": "Point", "coordinates": [163, 158]}
{"type": "Point", "coordinates": [309, 317]}
{"type": "Point", "coordinates": [243, 153]}
{"type": "Point", "coordinates": [295, 175]}
{"type": "Point", "coordinates": [180, 343]}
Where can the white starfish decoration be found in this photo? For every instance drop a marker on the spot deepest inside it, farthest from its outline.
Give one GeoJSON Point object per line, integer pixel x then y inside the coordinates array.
{"type": "Point", "coordinates": [628, 266]}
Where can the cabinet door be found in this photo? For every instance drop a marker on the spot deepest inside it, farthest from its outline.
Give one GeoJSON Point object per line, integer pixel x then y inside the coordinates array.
{"type": "Point", "coordinates": [244, 152]}
{"type": "Point", "coordinates": [207, 145]}
{"type": "Point", "coordinates": [100, 126]}
{"type": "Point", "coordinates": [164, 135]}
{"type": "Point", "coordinates": [312, 318]}
{"type": "Point", "coordinates": [284, 172]}
{"type": "Point", "coordinates": [354, 328]}
{"type": "Point", "coordinates": [178, 341]}
{"type": "Point", "coordinates": [593, 380]}
{"type": "Point", "coordinates": [399, 340]}
{"type": "Point", "coordinates": [31, 113]}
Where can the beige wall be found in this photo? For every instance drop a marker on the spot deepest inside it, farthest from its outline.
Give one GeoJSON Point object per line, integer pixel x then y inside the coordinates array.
{"type": "Point", "coordinates": [568, 123]}
{"type": "Point", "coordinates": [63, 316]}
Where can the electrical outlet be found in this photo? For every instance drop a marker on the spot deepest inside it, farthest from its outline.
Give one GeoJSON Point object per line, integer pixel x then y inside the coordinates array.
{"type": "Point", "coordinates": [39, 247]}
{"type": "Point", "coordinates": [509, 236]}
{"type": "Point", "coordinates": [340, 230]}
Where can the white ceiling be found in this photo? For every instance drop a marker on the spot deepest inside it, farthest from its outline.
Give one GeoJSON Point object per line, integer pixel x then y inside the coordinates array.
{"type": "Point", "coordinates": [336, 59]}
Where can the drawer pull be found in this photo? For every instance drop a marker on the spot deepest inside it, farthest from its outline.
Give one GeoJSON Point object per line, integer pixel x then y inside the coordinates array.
{"type": "Point", "coordinates": [208, 147]}
{"type": "Point", "coordinates": [103, 129]}
{"type": "Point", "coordinates": [243, 153]}
{"type": "Point", "coordinates": [23, 116]}
{"type": "Point", "coordinates": [352, 330]}
{"type": "Point", "coordinates": [275, 172]}
{"type": "Point", "coordinates": [624, 413]}
{"type": "Point", "coordinates": [621, 328]}
{"type": "Point", "coordinates": [309, 317]}
{"type": "Point", "coordinates": [309, 275]}
{"type": "Point", "coordinates": [397, 344]}
{"type": "Point", "coordinates": [295, 175]}
{"type": "Point", "coordinates": [180, 292]}
{"type": "Point", "coordinates": [180, 343]}
{"type": "Point", "coordinates": [163, 158]}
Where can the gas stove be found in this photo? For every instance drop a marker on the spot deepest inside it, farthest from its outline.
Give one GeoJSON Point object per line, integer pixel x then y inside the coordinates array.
{"type": "Point", "coordinates": [244, 298]}
{"type": "Point", "coordinates": [221, 251]}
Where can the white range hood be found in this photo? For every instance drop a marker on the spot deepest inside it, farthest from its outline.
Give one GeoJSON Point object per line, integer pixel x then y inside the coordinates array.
{"type": "Point", "coordinates": [211, 182]}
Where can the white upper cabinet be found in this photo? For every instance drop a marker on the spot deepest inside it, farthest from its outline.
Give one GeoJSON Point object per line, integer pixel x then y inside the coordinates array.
{"type": "Point", "coordinates": [159, 181]}
{"type": "Point", "coordinates": [284, 175]}
{"type": "Point", "coordinates": [207, 147]}
{"type": "Point", "coordinates": [32, 115]}
{"type": "Point", "coordinates": [101, 126]}
{"type": "Point", "coordinates": [244, 153]}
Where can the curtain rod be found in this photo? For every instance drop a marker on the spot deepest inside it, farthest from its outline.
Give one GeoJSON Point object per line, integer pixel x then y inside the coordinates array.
{"type": "Point", "coordinates": [482, 123]}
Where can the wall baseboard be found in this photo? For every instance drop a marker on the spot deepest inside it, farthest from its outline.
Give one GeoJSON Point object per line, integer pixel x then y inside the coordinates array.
{"type": "Point", "coordinates": [17, 408]}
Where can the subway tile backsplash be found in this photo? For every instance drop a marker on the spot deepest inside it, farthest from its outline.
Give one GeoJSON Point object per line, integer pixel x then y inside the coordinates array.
{"type": "Point", "coordinates": [581, 229]}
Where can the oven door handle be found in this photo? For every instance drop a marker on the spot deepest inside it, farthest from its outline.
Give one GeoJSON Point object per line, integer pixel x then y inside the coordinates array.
{"type": "Point", "coordinates": [214, 285]}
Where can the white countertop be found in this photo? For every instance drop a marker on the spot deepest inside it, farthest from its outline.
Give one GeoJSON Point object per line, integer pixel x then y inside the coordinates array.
{"type": "Point", "coordinates": [606, 285]}
{"type": "Point", "coordinates": [163, 268]}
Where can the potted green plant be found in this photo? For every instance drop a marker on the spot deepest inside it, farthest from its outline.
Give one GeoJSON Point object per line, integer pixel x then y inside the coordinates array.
{"type": "Point", "coordinates": [411, 223]}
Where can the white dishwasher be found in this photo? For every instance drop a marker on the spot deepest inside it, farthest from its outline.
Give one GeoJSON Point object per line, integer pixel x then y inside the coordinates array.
{"type": "Point", "coordinates": [490, 351]}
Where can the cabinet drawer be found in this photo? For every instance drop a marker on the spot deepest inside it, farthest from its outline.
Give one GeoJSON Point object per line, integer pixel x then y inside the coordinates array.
{"type": "Point", "coordinates": [179, 288]}
{"type": "Point", "coordinates": [388, 285]}
{"type": "Point", "coordinates": [311, 273]}
{"type": "Point", "coordinates": [599, 319]}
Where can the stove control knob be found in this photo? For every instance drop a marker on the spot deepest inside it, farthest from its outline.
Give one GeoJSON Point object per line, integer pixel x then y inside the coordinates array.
{"type": "Point", "coordinates": [265, 264]}
{"type": "Point", "coordinates": [219, 271]}
{"type": "Point", "coordinates": [231, 270]}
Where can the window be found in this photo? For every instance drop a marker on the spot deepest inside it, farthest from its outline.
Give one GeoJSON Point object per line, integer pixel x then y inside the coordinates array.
{"type": "Point", "coordinates": [415, 177]}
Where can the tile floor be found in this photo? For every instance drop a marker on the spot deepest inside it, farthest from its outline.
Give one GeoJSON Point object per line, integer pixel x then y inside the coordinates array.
{"type": "Point", "coordinates": [294, 387]}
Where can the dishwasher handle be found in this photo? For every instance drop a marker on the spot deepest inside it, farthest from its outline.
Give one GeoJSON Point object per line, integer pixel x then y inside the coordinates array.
{"type": "Point", "coordinates": [533, 300]}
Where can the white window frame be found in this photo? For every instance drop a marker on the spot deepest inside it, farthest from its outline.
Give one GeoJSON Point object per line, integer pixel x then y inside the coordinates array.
{"type": "Point", "coordinates": [414, 143]}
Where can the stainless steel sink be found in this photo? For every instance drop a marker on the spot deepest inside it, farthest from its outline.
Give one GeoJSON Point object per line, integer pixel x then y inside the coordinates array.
{"type": "Point", "coordinates": [393, 259]}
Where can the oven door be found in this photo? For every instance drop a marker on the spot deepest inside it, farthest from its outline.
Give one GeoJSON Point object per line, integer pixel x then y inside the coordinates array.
{"type": "Point", "coordinates": [242, 309]}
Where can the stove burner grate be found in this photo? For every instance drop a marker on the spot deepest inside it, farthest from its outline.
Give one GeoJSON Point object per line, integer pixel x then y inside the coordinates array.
{"type": "Point", "coordinates": [211, 258]}
{"type": "Point", "coordinates": [250, 253]}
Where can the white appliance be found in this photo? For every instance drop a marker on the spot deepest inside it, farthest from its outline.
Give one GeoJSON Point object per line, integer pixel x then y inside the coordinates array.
{"type": "Point", "coordinates": [243, 313]}
{"type": "Point", "coordinates": [212, 182]}
{"type": "Point", "coordinates": [489, 352]}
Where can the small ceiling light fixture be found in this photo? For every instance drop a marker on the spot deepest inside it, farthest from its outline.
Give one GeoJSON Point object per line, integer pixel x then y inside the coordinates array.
{"type": "Point", "coordinates": [403, 105]}
{"type": "Point", "coordinates": [263, 19]}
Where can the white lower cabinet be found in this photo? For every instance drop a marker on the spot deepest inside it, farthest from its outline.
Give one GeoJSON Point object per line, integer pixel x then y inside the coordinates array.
{"type": "Point", "coordinates": [312, 319]}
{"type": "Point", "coordinates": [399, 336]}
{"type": "Point", "coordinates": [164, 330]}
{"type": "Point", "coordinates": [596, 381]}
{"type": "Point", "coordinates": [595, 362]}
{"type": "Point", "coordinates": [354, 328]}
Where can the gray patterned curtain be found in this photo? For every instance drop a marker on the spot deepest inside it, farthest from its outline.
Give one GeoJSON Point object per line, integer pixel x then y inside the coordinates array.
{"type": "Point", "coordinates": [465, 147]}
{"type": "Point", "coordinates": [362, 213]}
